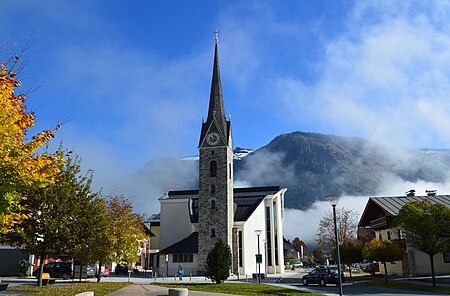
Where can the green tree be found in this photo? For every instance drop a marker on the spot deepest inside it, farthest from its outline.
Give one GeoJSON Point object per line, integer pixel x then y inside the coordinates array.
{"type": "Point", "coordinates": [318, 256]}
{"type": "Point", "coordinates": [350, 253]}
{"type": "Point", "coordinates": [218, 262]}
{"type": "Point", "coordinates": [427, 226]}
{"type": "Point", "coordinates": [122, 232]}
{"type": "Point", "coordinates": [299, 244]}
{"type": "Point", "coordinates": [383, 251]}
{"type": "Point", "coordinates": [57, 213]}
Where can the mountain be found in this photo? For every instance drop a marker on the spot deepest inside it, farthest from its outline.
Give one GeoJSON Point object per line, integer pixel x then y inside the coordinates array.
{"type": "Point", "coordinates": [310, 165]}
{"type": "Point", "coordinates": [314, 165]}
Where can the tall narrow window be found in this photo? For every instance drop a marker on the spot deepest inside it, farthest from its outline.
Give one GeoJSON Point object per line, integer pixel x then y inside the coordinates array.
{"type": "Point", "coordinates": [389, 235]}
{"type": "Point", "coordinates": [269, 237]}
{"type": "Point", "coordinates": [275, 232]}
{"type": "Point", "coordinates": [213, 169]}
{"type": "Point", "coordinates": [240, 249]}
{"type": "Point", "coordinates": [231, 172]}
{"type": "Point", "coordinates": [213, 189]}
{"type": "Point", "coordinates": [213, 232]}
{"type": "Point", "coordinates": [213, 203]}
{"type": "Point", "coordinates": [380, 237]}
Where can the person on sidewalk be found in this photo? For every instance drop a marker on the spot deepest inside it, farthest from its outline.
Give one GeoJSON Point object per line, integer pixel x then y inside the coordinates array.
{"type": "Point", "coordinates": [180, 272]}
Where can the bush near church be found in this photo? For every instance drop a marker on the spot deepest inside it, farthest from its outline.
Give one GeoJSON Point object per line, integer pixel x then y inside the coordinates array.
{"type": "Point", "coordinates": [218, 262]}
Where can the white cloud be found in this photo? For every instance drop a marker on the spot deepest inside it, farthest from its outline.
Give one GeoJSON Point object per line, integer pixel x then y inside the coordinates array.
{"type": "Point", "coordinates": [305, 224]}
{"type": "Point", "coordinates": [386, 78]}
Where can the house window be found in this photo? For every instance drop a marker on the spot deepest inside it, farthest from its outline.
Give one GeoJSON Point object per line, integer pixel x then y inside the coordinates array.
{"type": "Point", "coordinates": [213, 189]}
{"type": "Point", "coordinates": [230, 170]}
{"type": "Point", "coordinates": [446, 256]}
{"type": "Point", "coordinates": [389, 235]}
{"type": "Point", "coordinates": [380, 237]}
{"type": "Point", "coordinates": [213, 169]}
{"type": "Point", "coordinates": [213, 203]}
{"type": "Point", "coordinates": [213, 232]}
{"type": "Point", "coordinates": [177, 258]}
{"type": "Point", "coordinates": [399, 234]}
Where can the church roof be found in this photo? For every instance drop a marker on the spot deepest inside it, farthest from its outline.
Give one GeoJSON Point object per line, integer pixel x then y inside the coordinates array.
{"type": "Point", "coordinates": [187, 245]}
{"type": "Point", "coordinates": [245, 200]}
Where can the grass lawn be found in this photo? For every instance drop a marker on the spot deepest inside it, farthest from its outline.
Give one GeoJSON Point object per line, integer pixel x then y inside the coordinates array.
{"type": "Point", "coordinates": [407, 285]}
{"type": "Point", "coordinates": [237, 288]}
{"type": "Point", "coordinates": [100, 289]}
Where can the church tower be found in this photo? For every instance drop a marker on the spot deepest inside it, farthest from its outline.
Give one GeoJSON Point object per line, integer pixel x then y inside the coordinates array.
{"type": "Point", "coordinates": [216, 172]}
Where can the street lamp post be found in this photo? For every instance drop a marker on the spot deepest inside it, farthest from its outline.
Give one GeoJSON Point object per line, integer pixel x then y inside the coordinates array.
{"type": "Point", "coordinates": [334, 199]}
{"type": "Point", "coordinates": [258, 256]}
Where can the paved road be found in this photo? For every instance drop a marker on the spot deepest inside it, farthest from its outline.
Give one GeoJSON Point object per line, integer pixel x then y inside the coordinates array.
{"type": "Point", "coordinates": [293, 279]}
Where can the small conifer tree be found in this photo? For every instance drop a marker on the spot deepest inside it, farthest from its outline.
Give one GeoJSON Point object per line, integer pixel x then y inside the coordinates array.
{"type": "Point", "coordinates": [218, 262]}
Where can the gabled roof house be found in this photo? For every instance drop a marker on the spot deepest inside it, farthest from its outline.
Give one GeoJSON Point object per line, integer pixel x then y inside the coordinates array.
{"type": "Point", "coordinates": [379, 215]}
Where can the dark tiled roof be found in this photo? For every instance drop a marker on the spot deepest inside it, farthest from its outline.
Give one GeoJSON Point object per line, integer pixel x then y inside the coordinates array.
{"type": "Point", "coordinates": [153, 218]}
{"type": "Point", "coordinates": [393, 204]}
{"type": "Point", "coordinates": [238, 192]}
{"type": "Point", "coordinates": [389, 206]}
{"type": "Point", "coordinates": [182, 194]}
{"type": "Point", "coordinates": [187, 245]}
{"type": "Point", "coordinates": [245, 200]}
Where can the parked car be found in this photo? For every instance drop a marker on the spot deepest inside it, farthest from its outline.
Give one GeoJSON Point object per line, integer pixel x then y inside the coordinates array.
{"type": "Point", "coordinates": [62, 270]}
{"type": "Point", "coordinates": [121, 269]}
{"type": "Point", "coordinates": [93, 269]}
{"type": "Point", "coordinates": [323, 276]}
{"type": "Point", "coordinates": [372, 267]}
{"type": "Point", "coordinates": [90, 270]}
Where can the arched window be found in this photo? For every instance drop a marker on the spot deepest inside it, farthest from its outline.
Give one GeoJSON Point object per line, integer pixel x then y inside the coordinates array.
{"type": "Point", "coordinates": [213, 189]}
{"type": "Point", "coordinates": [213, 169]}
{"type": "Point", "coordinates": [213, 232]}
{"type": "Point", "coordinates": [213, 203]}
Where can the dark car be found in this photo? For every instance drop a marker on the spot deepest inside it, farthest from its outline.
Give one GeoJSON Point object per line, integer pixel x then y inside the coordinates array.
{"type": "Point", "coordinates": [371, 268]}
{"type": "Point", "coordinates": [121, 269]}
{"type": "Point", "coordinates": [308, 264]}
{"type": "Point", "coordinates": [57, 270]}
{"type": "Point", "coordinates": [323, 276]}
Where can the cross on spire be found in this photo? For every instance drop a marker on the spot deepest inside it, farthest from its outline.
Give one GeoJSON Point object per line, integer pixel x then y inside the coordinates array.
{"type": "Point", "coordinates": [216, 32]}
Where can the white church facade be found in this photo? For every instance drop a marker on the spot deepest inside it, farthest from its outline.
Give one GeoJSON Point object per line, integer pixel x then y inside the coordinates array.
{"type": "Point", "coordinates": [191, 221]}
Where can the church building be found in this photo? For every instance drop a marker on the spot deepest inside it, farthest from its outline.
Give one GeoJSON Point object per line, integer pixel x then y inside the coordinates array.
{"type": "Point", "coordinates": [249, 220]}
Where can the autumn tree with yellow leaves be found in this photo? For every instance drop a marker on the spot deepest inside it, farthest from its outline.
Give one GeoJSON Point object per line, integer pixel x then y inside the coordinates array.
{"type": "Point", "coordinates": [22, 164]}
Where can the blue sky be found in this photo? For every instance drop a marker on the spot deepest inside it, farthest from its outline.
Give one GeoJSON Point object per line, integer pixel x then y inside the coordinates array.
{"type": "Point", "coordinates": [130, 80]}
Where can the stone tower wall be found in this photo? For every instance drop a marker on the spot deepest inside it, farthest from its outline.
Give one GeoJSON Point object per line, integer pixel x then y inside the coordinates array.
{"type": "Point", "coordinates": [221, 217]}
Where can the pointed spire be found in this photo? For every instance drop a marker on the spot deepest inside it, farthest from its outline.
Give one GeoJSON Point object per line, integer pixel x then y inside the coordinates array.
{"type": "Point", "coordinates": [216, 106]}
{"type": "Point", "coordinates": [216, 112]}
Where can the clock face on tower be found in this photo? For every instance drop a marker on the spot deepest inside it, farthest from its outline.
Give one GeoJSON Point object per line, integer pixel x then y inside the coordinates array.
{"type": "Point", "coordinates": [213, 138]}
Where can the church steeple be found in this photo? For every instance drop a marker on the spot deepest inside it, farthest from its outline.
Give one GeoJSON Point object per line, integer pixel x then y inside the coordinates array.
{"type": "Point", "coordinates": [216, 110]}
{"type": "Point", "coordinates": [215, 197]}
{"type": "Point", "coordinates": [216, 106]}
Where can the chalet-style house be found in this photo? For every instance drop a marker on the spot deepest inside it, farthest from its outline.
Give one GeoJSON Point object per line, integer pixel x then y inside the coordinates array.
{"type": "Point", "coordinates": [379, 214]}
